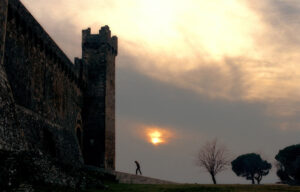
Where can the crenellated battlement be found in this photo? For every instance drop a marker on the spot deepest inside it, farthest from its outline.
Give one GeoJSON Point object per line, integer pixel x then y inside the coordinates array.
{"type": "Point", "coordinates": [96, 40]}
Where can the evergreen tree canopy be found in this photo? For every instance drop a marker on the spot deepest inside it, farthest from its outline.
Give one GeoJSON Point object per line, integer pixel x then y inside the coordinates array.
{"type": "Point", "coordinates": [251, 166]}
{"type": "Point", "coordinates": [289, 164]}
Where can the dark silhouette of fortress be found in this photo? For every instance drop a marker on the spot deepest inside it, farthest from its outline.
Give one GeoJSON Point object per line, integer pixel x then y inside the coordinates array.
{"type": "Point", "coordinates": [49, 104]}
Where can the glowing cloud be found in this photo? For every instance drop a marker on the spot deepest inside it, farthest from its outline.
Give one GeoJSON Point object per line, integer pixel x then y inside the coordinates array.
{"type": "Point", "coordinates": [233, 49]}
{"type": "Point", "coordinates": [157, 135]}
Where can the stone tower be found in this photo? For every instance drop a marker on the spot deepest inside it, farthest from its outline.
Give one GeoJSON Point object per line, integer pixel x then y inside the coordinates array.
{"type": "Point", "coordinates": [98, 65]}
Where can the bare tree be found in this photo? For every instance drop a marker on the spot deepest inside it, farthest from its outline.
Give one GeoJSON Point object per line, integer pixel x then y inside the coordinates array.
{"type": "Point", "coordinates": [213, 158]}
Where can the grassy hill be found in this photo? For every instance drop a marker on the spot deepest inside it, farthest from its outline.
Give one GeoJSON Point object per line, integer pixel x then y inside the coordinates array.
{"type": "Point", "coordinates": [198, 188]}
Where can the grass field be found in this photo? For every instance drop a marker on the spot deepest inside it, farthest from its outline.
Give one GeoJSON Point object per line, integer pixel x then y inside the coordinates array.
{"type": "Point", "coordinates": [198, 188]}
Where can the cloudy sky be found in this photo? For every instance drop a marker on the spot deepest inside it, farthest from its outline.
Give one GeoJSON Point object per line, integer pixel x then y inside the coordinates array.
{"type": "Point", "coordinates": [194, 70]}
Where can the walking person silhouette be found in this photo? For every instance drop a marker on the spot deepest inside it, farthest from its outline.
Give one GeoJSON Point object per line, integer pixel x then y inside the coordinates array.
{"type": "Point", "coordinates": [138, 168]}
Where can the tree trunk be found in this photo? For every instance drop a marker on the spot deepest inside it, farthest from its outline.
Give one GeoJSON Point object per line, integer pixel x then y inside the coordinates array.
{"type": "Point", "coordinates": [252, 181]}
{"type": "Point", "coordinates": [213, 178]}
{"type": "Point", "coordinates": [258, 179]}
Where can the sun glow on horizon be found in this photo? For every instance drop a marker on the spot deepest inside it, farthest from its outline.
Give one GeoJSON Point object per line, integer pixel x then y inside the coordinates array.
{"type": "Point", "coordinates": [157, 135]}
{"type": "Point", "coordinates": [156, 138]}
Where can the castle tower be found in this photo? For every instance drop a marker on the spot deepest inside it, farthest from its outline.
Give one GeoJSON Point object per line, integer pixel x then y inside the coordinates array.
{"type": "Point", "coordinates": [98, 58]}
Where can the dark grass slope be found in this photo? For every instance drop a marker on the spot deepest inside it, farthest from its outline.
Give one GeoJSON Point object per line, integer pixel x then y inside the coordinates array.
{"type": "Point", "coordinates": [184, 188]}
{"type": "Point", "coordinates": [181, 188]}
{"type": "Point", "coordinates": [199, 188]}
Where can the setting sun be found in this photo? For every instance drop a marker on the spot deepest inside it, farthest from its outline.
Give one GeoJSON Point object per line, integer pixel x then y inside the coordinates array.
{"type": "Point", "coordinates": [156, 140]}
{"type": "Point", "coordinates": [157, 135]}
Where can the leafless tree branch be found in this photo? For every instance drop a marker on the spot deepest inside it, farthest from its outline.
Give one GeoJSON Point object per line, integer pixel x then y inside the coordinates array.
{"type": "Point", "coordinates": [213, 158]}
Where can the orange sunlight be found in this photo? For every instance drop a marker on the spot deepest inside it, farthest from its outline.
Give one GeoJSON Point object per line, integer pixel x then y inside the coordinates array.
{"type": "Point", "coordinates": [157, 135]}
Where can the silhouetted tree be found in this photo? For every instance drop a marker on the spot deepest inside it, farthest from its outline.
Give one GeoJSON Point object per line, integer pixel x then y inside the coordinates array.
{"type": "Point", "coordinates": [251, 166]}
{"type": "Point", "coordinates": [213, 158]}
{"type": "Point", "coordinates": [288, 169]}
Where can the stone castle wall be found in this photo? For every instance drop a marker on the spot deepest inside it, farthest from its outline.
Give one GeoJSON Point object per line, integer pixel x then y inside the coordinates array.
{"type": "Point", "coordinates": [10, 131]}
{"type": "Point", "coordinates": [45, 86]}
{"type": "Point", "coordinates": [48, 98]}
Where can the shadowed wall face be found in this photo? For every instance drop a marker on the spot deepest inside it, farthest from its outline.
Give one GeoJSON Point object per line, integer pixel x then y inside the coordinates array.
{"type": "Point", "coordinates": [3, 81]}
{"type": "Point", "coordinates": [3, 18]}
{"type": "Point", "coordinates": [10, 134]}
{"type": "Point", "coordinates": [46, 92]}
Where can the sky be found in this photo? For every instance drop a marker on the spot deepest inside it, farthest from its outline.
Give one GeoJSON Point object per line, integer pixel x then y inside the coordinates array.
{"type": "Point", "coordinates": [190, 71]}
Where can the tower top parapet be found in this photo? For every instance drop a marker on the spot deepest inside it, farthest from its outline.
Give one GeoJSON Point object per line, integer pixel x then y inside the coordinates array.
{"type": "Point", "coordinates": [95, 40]}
